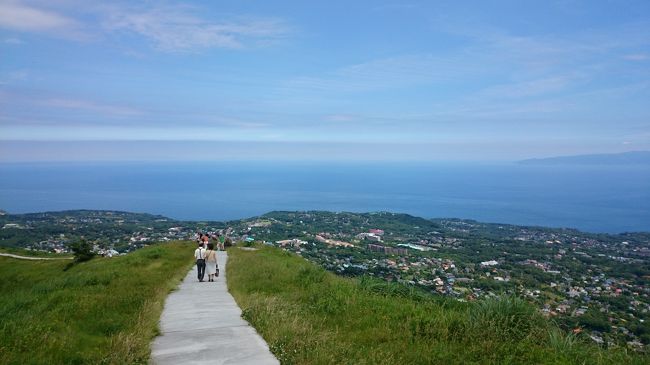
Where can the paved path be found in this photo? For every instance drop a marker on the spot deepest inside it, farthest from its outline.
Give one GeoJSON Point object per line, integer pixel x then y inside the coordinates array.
{"type": "Point", "coordinates": [201, 324]}
{"type": "Point", "coordinates": [34, 258]}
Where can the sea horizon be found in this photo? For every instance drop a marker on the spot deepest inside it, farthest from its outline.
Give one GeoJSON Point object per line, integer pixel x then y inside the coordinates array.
{"type": "Point", "coordinates": [608, 199]}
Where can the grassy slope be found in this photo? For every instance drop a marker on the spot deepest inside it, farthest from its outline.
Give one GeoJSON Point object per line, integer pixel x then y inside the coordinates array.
{"type": "Point", "coordinates": [309, 316]}
{"type": "Point", "coordinates": [104, 311]}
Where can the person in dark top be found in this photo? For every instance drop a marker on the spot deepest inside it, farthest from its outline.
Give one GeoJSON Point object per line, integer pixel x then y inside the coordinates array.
{"type": "Point", "coordinates": [199, 255]}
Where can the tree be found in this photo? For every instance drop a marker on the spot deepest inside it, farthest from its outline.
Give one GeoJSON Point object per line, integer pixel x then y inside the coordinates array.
{"type": "Point", "coordinates": [82, 250]}
{"type": "Point", "coordinates": [595, 320]}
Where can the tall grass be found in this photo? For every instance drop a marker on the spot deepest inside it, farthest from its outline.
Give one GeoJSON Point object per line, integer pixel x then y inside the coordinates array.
{"type": "Point", "coordinates": [310, 316]}
{"type": "Point", "coordinates": [104, 311]}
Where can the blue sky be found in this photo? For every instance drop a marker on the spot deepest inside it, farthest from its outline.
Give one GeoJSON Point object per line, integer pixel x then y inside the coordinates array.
{"type": "Point", "coordinates": [366, 80]}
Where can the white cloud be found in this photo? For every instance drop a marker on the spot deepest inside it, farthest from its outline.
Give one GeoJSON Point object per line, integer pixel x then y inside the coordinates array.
{"type": "Point", "coordinates": [176, 29]}
{"type": "Point", "coordinates": [637, 57]}
{"type": "Point", "coordinates": [387, 73]}
{"type": "Point", "coordinates": [12, 77]}
{"type": "Point", "coordinates": [168, 28]}
{"type": "Point", "coordinates": [91, 106]}
{"type": "Point", "coordinates": [493, 74]}
{"type": "Point", "coordinates": [13, 41]}
{"type": "Point", "coordinates": [17, 16]}
{"type": "Point", "coordinates": [340, 118]}
{"type": "Point", "coordinates": [535, 87]}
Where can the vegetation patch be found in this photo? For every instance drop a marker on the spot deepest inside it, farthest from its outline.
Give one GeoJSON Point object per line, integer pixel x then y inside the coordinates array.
{"type": "Point", "coordinates": [101, 311]}
{"type": "Point", "coordinates": [310, 316]}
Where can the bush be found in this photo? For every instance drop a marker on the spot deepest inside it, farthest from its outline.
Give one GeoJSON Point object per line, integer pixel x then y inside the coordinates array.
{"type": "Point", "coordinates": [507, 317]}
{"type": "Point", "coordinates": [389, 289]}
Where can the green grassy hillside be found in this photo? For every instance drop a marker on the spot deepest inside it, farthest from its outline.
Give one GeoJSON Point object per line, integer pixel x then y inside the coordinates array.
{"type": "Point", "coordinates": [310, 316]}
{"type": "Point", "coordinates": [104, 311]}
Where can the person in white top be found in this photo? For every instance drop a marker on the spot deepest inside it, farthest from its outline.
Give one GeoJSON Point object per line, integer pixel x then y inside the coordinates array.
{"type": "Point", "coordinates": [199, 255]}
{"type": "Point", "coordinates": [212, 267]}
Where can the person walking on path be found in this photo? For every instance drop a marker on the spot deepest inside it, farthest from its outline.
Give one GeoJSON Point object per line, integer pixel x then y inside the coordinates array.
{"type": "Point", "coordinates": [221, 239]}
{"type": "Point", "coordinates": [199, 255]}
{"type": "Point", "coordinates": [217, 241]}
{"type": "Point", "coordinates": [211, 262]}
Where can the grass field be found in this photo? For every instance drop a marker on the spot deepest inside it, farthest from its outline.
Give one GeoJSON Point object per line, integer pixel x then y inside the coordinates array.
{"type": "Point", "coordinates": [310, 316]}
{"type": "Point", "coordinates": [104, 311]}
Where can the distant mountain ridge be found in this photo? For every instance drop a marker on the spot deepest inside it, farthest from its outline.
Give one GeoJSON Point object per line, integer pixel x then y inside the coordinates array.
{"type": "Point", "coordinates": [625, 158]}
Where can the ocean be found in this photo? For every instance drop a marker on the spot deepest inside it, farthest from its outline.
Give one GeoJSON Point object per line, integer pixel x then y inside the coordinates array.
{"type": "Point", "coordinates": [590, 198]}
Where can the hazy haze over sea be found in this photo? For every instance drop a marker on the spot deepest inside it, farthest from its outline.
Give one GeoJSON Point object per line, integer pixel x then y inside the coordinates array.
{"type": "Point", "coordinates": [590, 198]}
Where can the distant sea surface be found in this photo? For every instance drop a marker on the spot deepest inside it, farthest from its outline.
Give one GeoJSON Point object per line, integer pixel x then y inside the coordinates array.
{"type": "Point", "coordinates": [590, 198]}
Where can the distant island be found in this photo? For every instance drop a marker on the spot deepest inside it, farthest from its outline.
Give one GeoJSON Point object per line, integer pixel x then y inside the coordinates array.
{"type": "Point", "coordinates": [625, 158]}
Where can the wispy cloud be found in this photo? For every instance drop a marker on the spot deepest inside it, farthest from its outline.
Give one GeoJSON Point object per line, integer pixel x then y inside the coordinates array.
{"type": "Point", "coordinates": [91, 106]}
{"type": "Point", "coordinates": [550, 46]}
{"type": "Point", "coordinates": [24, 107]}
{"type": "Point", "coordinates": [494, 73]}
{"type": "Point", "coordinates": [12, 77]}
{"type": "Point", "coordinates": [169, 28]}
{"type": "Point", "coordinates": [29, 106]}
{"type": "Point", "coordinates": [534, 87]}
{"type": "Point", "coordinates": [179, 29]}
{"type": "Point", "coordinates": [13, 41]}
{"type": "Point", "coordinates": [387, 73]}
{"type": "Point", "coordinates": [17, 16]}
{"type": "Point", "coordinates": [395, 6]}
{"type": "Point", "coordinates": [340, 118]}
{"type": "Point", "coordinates": [637, 57]}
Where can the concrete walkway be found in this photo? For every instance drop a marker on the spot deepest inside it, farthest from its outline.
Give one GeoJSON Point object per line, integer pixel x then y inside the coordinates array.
{"type": "Point", "coordinates": [201, 324]}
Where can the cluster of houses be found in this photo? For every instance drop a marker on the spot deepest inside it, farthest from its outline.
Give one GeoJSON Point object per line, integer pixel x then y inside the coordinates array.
{"type": "Point", "coordinates": [373, 235]}
{"type": "Point", "coordinates": [574, 297]}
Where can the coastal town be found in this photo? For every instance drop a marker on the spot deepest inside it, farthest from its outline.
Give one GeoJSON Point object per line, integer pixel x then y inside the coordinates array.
{"type": "Point", "coordinates": [109, 231]}
{"type": "Point", "coordinates": [593, 285]}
